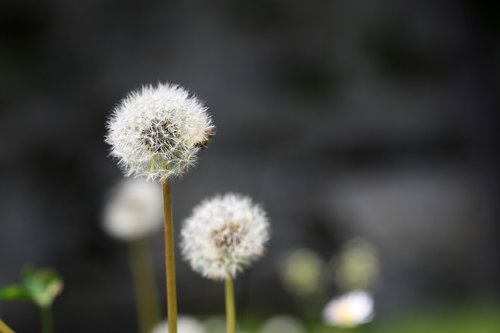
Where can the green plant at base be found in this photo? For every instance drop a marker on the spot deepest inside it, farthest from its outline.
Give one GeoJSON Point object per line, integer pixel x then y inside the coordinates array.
{"type": "Point", "coordinates": [39, 287]}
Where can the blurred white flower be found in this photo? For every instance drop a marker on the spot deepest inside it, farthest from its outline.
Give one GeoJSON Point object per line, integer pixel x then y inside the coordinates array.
{"type": "Point", "coordinates": [224, 235]}
{"type": "Point", "coordinates": [283, 324]}
{"type": "Point", "coordinates": [134, 209]}
{"type": "Point", "coordinates": [185, 324]}
{"type": "Point", "coordinates": [157, 131]}
{"type": "Point", "coordinates": [302, 272]}
{"type": "Point", "coordinates": [349, 310]}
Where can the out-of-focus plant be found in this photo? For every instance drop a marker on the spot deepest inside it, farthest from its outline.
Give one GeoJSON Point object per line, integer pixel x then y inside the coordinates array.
{"type": "Point", "coordinates": [302, 272]}
{"type": "Point", "coordinates": [133, 210]}
{"type": "Point", "coordinates": [39, 287]}
{"type": "Point", "coordinates": [223, 236]}
{"type": "Point", "coordinates": [354, 270]}
{"type": "Point", "coordinates": [132, 213]}
{"type": "Point", "coordinates": [356, 267]}
{"type": "Point", "coordinates": [283, 324]}
{"type": "Point", "coordinates": [156, 132]}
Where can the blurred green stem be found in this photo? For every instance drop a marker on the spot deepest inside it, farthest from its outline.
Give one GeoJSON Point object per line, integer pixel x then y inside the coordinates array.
{"type": "Point", "coordinates": [47, 322]}
{"type": "Point", "coordinates": [230, 307]}
{"type": "Point", "coordinates": [4, 328]}
{"type": "Point", "coordinates": [169, 259]}
{"type": "Point", "coordinates": [148, 304]}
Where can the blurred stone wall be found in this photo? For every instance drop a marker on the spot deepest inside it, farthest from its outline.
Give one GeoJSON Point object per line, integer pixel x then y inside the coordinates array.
{"type": "Point", "coordinates": [344, 118]}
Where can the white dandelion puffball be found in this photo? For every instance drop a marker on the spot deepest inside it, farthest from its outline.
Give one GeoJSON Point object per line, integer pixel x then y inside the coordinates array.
{"type": "Point", "coordinates": [224, 235]}
{"type": "Point", "coordinates": [134, 209]}
{"type": "Point", "coordinates": [185, 324]}
{"type": "Point", "coordinates": [349, 310]}
{"type": "Point", "coordinates": [157, 131]}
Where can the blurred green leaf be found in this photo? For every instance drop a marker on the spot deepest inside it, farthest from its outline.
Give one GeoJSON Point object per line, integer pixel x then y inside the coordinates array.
{"type": "Point", "coordinates": [43, 285]}
{"type": "Point", "coordinates": [38, 286]}
{"type": "Point", "coordinates": [14, 292]}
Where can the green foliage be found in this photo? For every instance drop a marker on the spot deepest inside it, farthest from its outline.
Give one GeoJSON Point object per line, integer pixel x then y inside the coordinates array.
{"type": "Point", "coordinates": [40, 287]}
{"type": "Point", "coordinates": [470, 317]}
{"type": "Point", "coordinates": [14, 292]}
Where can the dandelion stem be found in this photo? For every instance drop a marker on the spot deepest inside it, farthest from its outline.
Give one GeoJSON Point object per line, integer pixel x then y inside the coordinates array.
{"type": "Point", "coordinates": [170, 259]}
{"type": "Point", "coordinates": [4, 328]}
{"type": "Point", "coordinates": [148, 304]}
{"type": "Point", "coordinates": [230, 307]}
{"type": "Point", "coordinates": [47, 322]}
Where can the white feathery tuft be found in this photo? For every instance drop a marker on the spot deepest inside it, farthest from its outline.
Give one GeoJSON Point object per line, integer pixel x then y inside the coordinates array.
{"type": "Point", "coordinates": [157, 131]}
{"type": "Point", "coordinates": [133, 210]}
{"type": "Point", "coordinates": [185, 324]}
{"type": "Point", "coordinates": [224, 235]}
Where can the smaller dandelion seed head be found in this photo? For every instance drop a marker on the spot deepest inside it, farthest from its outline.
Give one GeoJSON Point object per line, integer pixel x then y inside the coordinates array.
{"type": "Point", "coordinates": [224, 235]}
{"type": "Point", "coordinates": [185, 324]}
{"type": "Point", "coordinates": [349, 310]}
{"type": "Point", "coordinates": [157, 131]}
{"type": "Point", "coordinates": [133, 210]}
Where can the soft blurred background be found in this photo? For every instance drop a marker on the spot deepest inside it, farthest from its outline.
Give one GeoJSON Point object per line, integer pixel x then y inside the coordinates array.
{"type": "Point", "coordinates": [375, 120]}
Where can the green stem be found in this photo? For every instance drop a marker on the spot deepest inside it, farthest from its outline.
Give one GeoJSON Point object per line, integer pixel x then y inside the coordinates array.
{"type": "Point", "coordinates": [169, 259]}
{"type": "Point", "coordinates": [230, 307]}
{"type": "Point", "coordinates": [148, 304]}
{"type": "Point", "coordinates": [47, 322]}
{"type": "Point", "coordinates": [4, 328]}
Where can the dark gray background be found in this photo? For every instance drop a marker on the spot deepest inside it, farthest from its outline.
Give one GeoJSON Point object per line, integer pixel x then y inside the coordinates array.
{"type": "Point", "coordinates": [344, 118]}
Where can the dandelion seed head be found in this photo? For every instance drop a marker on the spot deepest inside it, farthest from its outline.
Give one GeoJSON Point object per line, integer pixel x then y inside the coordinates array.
{"type": "Point", "coordinates": [157, 131]}
{"type": "Point", "coordinates": [224, 235]}
{"type": "Point", "coordinates": [185, 324]}
{"type": "Point", "coordinates": [133, 210]}
{"type": "Point", "coordinates": [349, 310]}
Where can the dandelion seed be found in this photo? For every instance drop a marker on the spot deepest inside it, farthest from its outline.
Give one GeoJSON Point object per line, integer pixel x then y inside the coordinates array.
{"type": "Point", "coordinates": [224, 235]}
{"type": "Point", "coordinates": [349, 310]}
